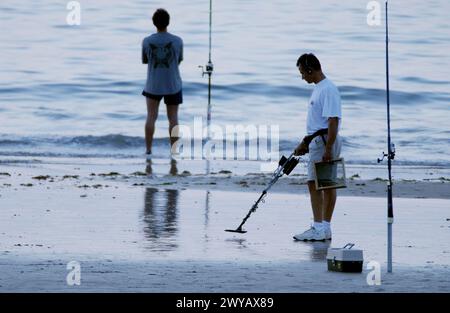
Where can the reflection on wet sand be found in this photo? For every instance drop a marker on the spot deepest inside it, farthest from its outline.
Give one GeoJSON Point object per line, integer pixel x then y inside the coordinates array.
{"type": "Point", "coordinates": [160, 218]}
{"type": "Point", "coordinates": [173, 167]}
{"type": "Point", "coordinates": [162, 226]}
{"type": "Point", "coordinates": [319, 250]}
{"type": "Point", "coordinates": [172, 171]}
{"type": "Point", "coordinates": [239, 243]}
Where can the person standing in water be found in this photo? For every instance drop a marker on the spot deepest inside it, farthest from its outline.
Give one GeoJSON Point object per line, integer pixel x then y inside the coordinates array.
{"type": "Point", "coordinates": [322, 142]}
{"type": "Point", "coordinates": [162, 52]}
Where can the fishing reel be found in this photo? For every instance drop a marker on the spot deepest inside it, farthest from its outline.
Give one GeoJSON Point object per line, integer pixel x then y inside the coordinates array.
{"type": "Point", "coordinates": [209, 69]}
{"type": "Point", "coordinates": [390, 155]}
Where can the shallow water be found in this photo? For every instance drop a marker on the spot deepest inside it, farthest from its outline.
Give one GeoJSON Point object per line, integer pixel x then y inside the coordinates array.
{"type": "Point", "coordinates": [75, 90]}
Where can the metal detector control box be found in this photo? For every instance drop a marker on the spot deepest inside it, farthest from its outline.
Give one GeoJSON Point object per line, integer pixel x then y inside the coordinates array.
{"type": "Point", "coordinates": [345, 259]}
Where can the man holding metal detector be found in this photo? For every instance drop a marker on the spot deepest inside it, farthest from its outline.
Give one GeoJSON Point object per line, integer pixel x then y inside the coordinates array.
{"type": "Point", "coordinates": [323, 143]}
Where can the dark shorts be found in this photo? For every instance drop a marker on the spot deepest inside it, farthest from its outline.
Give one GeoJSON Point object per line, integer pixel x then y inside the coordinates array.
{"type": "Point", "coordinates": [174, 99]}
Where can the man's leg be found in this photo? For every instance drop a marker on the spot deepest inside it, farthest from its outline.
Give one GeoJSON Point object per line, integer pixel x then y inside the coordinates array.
{"type": "Point", "coordinates": [329, 197]}
{"type": "Point", "coordinates": [172, 116]}
{"type": "Point", "coordinates": [316, 202]}
{"type": "Point", "coordinates": [152, 115]}
{"type": "Point", "coordinates": [316, 232]}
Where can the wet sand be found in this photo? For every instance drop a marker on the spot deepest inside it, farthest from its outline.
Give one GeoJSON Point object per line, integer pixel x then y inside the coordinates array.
{"type": "Point", "coordinates": [195, 276]}
{"type": "Point", "coordinates": [132, 230]}
{"type": "Point", "coordinates": [362, 181]}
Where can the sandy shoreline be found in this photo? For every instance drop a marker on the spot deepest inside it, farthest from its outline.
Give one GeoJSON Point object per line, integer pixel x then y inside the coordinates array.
{"type": "Point", "coordinates": [361, 182]}
{"type": "Point", "coordinates": [194, 276]}
{"type": "Point", "coordinates": [136, 231]}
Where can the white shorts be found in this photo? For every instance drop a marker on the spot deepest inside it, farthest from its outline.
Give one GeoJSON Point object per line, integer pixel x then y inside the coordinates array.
{"type": "Point", "coordinates": [316, 151]}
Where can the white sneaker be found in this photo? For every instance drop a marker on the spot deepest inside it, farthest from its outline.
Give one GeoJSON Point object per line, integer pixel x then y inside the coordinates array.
{"type": "Point", "coordinates": [311, 234]}
{"type": "Point", "coordinates": [327, 233]}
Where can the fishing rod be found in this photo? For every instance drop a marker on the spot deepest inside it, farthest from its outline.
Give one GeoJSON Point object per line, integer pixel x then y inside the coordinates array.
{"type": "Point", "coordinates": [390, 155]}
{"type": "Point", "coordinates": [208, 69]}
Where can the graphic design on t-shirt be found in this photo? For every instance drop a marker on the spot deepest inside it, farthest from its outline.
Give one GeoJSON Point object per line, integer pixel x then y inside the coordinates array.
{"type": "Point", "coordinates": [162, 55]}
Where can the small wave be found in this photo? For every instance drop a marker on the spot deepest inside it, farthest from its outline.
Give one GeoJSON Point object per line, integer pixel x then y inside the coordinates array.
{"type": "Point", "coordinates": [55, 90]}
{"type": "Point", "coordinates": [112, 140]}
{"type": "Point", "coordinates": [421, 80]}
{"type": "Point", "coordinates": [118, 146]}
{"type": "Point", "coordinates": [16, 142]}
{"type": "Point", "coordinates": [20, 161]}
{"type": "Point", "coordinates": [66, 155]}
{"type": "Point", "coordinates": [89, 89]}
{"type": "Point", "coordinates": [397, 97]}
{"type": "Point", "coordinates": [54, 115]}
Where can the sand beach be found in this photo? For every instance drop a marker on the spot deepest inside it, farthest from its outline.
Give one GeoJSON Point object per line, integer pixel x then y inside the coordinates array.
{"type": "Point", "coordinates": [163, 230]}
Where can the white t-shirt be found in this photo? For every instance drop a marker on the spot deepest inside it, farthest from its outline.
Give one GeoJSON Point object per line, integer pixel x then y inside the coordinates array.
{"type": "Point", "coordinates": [325, 102]}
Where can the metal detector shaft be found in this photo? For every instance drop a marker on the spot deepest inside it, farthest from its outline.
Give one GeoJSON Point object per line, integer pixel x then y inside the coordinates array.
{"type": "Point", "coordinates": [285, 167]}
{"type": "Point", "coordinates": [255, 205]}
{"type": "Point", "coordinates": [253, 209]}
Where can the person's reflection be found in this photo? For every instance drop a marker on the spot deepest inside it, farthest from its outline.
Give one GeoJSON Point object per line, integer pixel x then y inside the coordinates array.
{"type": "Point", "coordinates": [172, 171]}
{"type": "Point", "coordinates": [319, 250]}
{"type": "Point", "coordinates": [148, 168]}
{"type": "Point", "coordinates": [173, 167]}
{"type": "Point", "coordinates": [160, 217]}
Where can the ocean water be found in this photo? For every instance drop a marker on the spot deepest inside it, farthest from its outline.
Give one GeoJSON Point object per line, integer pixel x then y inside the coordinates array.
{"type": "Point", "coordinates": [75, 91]}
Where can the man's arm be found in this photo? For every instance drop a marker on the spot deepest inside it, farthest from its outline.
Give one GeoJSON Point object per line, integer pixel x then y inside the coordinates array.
{"type": "Point", "coordinates": [181, 53]}
{"type": "Point", "coordinates": [144, 55]}
{"type": "Point", "coordinates": [333, 123]}
{"type": "Point", "coordinates": [301, 149]}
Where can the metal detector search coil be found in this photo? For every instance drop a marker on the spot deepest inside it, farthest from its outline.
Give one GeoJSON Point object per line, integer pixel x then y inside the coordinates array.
{"type": "Point", "coordinates": [330, 174]}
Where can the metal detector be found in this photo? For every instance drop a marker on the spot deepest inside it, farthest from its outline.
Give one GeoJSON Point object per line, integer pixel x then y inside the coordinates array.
{"type": "Point", "coordinates": [285, 166]}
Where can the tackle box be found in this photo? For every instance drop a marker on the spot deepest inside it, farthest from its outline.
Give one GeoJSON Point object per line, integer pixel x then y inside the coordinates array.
{"type": "Point", "coordinates": [345, 259]}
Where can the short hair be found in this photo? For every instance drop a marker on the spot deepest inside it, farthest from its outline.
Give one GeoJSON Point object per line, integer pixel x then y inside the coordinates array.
{"type": "Point", "coordinates": [309, 62]}
{"type": "Point", "coordinates": [161, 18]}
